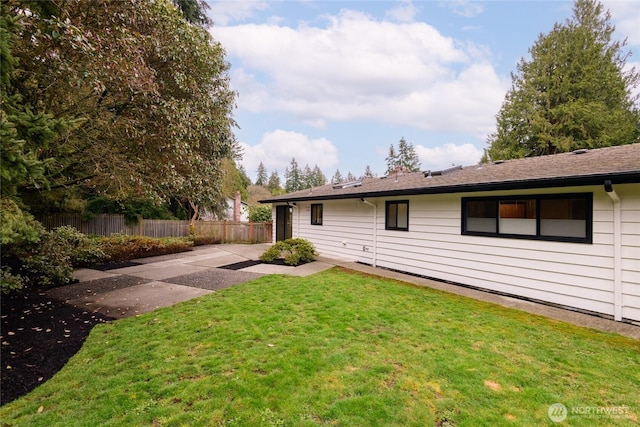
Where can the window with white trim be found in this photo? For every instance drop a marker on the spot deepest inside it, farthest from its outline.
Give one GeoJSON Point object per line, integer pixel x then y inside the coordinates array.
{"type": "Point", "coordinates": [559, 217]}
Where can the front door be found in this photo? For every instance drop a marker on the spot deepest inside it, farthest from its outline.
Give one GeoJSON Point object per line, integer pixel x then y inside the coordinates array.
{"type": "Point", "coordinates": [284, 215]}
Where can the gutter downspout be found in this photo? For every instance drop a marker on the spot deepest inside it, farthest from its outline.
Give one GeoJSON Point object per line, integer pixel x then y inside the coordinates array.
{"type": "Point", "coordinates": [617, 251]}
{"type": "Point", "coordinates": [375, 231]}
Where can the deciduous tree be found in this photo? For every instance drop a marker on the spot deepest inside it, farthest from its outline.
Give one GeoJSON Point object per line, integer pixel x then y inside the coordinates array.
{"type": "Point", "coordinates": [147, 93]}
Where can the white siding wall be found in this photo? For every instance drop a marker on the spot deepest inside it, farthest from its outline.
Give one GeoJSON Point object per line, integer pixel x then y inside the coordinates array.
{"type": "Point", "coordinates": [572, 274]}
{"type": "Point", "coordinates": [346, 231]}
{"type": "Point", "coordinates": [630, 205]}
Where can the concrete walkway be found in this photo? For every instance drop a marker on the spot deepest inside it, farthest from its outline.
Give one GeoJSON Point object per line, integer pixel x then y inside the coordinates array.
{"type": "Point", "coordinates": [150, 283]}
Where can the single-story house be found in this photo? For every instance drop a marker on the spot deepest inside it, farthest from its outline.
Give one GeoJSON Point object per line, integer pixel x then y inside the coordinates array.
{"type": "Point", "coordinates": [561, 229]}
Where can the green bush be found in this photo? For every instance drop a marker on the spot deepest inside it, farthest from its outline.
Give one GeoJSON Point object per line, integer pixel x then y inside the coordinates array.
{"type": "Point", "coordinates": [260, 213]}
{"type": "Point", "coordinates": [294, 252]}
{"type": "Point", "coordinates": [9, 282]}
{"type": "Point", "coordinates": [46, 262]}
{"type": "Point", "coordinates": [84, 251]}
{"type": "Point", "coordinates": [120, 247]}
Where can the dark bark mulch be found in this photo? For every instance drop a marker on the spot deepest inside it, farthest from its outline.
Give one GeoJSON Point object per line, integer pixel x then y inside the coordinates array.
{"type": "Point", "coordinates": [39, 335]}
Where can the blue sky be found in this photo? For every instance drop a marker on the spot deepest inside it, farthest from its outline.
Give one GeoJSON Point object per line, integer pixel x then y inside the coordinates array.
{"type": "Point", "coordinates": [335, 83]}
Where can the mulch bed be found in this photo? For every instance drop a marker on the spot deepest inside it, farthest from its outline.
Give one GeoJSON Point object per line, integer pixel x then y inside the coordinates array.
{"type": "Point", "coordinates": [39, 336]}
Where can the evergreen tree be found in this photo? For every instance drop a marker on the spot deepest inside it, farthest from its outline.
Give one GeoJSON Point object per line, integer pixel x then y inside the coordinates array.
{"type": "Point", "coordinates": [261, 179]}
{"type": "Point", "coordinates": [194, 11]}
{"type": "Point", "coordinates": [274, 183]}
{"type": "Point", "coordinates": [318, 177]}
{"type": "Point", "coordinates": [407, 157]}
{"type": "Point", "coordinates": [337, 177]}
{"type": "Point", "coordinates": [350, 177]}
{"type": "Point", "coordinates": [392, 159]}
{"type": "Point", "coordinates": [573, 93]}
{"type": "Point", "coordinates": [368, 173]}
{"type": "Point", "coordinates": [306, 177]}
{"type": "Point", "coordinates": [293, 177]}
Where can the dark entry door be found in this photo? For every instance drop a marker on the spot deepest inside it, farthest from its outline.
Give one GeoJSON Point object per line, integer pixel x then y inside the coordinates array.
{"type": "Point", "coordinates": [283, 223]}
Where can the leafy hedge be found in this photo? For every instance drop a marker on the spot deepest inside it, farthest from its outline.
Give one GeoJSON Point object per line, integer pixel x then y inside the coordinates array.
{"type": "Point", "coordinates": [121, 247]}
{"type": "Point", "coordinates": [294, 252]}
{"type": "Point", "coordinates": [51, 258]}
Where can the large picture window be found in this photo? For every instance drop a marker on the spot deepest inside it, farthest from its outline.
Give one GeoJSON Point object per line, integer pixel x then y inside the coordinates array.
{"type": "Point", "coordinates": [561, 217]}
{"type": "Point", "coordinates": [316, 214]}
{"type": "Point", "coordinates": [397, 215]}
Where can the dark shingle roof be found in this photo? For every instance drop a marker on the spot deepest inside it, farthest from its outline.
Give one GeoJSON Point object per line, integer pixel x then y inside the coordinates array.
{"type": "Point", "coordinates": [619, 164]}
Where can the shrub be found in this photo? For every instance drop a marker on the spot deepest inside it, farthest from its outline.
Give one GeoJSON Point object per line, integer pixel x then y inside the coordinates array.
{"type": "Point", "coordinates": [46, 262]}
{"type": "Point", "coordinates": [120, 247]}
{"type": "Point", "coordinates": [8, 281]}
{"type": "Point", "coordinates": [199, 240]}
{"type": "Point", "coordinates": [84, 251]}
{"type": "Point", "coordinates": [260, 213]}
{"type": "Point", "coordinates": [294, 252]}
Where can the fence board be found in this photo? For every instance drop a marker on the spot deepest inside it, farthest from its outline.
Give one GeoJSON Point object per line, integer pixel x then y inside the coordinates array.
{"type": "Point", "coordinates": [107, 224]}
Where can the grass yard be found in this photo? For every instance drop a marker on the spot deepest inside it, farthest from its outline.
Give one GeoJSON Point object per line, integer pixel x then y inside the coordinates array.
{"type": "Point", "coordinates": [337, 348]}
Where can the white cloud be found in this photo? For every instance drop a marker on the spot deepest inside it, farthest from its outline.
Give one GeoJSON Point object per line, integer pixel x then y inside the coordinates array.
{"type": "Point", "coordinates": [465, 8]}
{"type": "Point", "coordinates": [224, 12]}
{"type": "Point", "coordinates": [277, 148]}
{"type": "Point", "coordinates": [358, 68]}
{"type": "Point", "coordinates": [448, 155]}
{"type": "Point", "coordinates": [406, 12]}
{"type": "Point", "coordinates": [625, 15]}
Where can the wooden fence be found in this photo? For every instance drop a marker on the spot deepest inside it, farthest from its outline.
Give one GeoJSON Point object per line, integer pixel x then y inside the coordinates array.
{"type": "Point", "coordinates": [107, 224]}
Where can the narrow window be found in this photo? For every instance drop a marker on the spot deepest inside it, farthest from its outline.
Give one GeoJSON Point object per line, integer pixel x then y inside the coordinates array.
{"type": "Point", "coordinates": [316, 214]}
{"type": "Point", "coordinates": [397, 215]}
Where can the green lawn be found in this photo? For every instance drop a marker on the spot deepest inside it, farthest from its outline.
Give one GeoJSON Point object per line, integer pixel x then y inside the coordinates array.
{"type": "Point", "coordinates": [337, 348]}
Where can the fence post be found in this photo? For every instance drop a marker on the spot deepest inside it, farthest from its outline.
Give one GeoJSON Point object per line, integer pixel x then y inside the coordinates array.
{"type": "Point", "coordinates": [141, 225]}
{"type": "Point", "coordinates": [224, 232]}
{"type": "Point", "coordinates": [251, 231]}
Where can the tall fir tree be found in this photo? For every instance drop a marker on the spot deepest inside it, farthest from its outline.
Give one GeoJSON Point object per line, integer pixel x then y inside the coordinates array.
{"type": "Point", "coordinates": [306, 177]}
{"type": "Point", "coordinates": [261, 178]}
{"type": "Point", "coordinates": [293, 177]}
{"type": "Point", "coordinates": [368, 173]}
{"type": "Point", "coordinates": [274, 184]}
{"type": "Point", "coordinates": [318, 177]}
{"type": "Point", "coordinates": [407, 156]}
{"type": "Point", "coordinates": [391, 159]}
{"type": "Point", "coordinates": [573, 93]}
{"type": "Point", "coordinates": [337, 177]}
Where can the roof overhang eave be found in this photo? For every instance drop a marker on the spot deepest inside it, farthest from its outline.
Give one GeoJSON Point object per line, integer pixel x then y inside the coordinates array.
{"type": "Point", "coordinates": [573, 181]}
